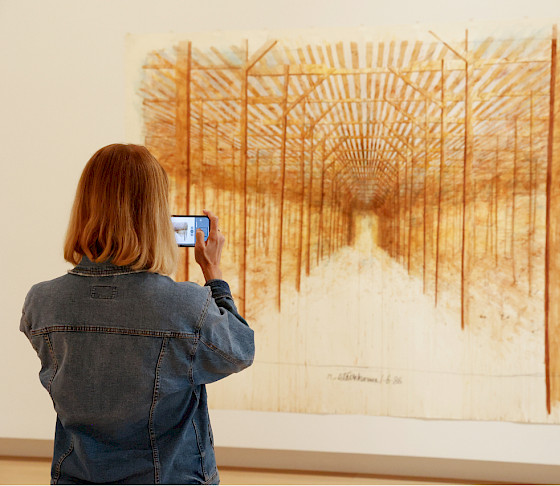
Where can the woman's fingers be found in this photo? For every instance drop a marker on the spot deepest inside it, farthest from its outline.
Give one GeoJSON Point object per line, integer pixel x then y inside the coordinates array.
{"type": "Point", "coordinates": [208, 253]}
{"type": "Point", "coordinates": [199, 238]}
{"type": "Point", "coordinates": [213, 223]}
{"type": "Point", "coordinates": [200, 247]}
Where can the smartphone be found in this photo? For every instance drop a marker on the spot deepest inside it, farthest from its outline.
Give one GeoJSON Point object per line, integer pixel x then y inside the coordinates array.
{"type": "Point", "coordinates": [185, 228]}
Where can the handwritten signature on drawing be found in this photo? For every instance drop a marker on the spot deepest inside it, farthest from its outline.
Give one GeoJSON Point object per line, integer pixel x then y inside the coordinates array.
{"type": "Point", "coordinates": [357, 376]}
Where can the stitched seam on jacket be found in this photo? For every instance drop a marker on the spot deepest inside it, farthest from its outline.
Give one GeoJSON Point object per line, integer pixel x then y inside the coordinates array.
{"type": "Point", "coordinates": [211, 478]}
{"type": "Point", "coordinates": [155, 450]}
{"type": "Point", "coordinates": [190, 373]}
{"type": "Point", "coordinates": [51, 350]}
{"type": "Point", "coordinates": [223, 296]}
{"type": "Point", "coordinates": [113, 330]}
{"type": "Point", "coordinates": [101, 273]}
{"type": "Point", "coordinates": [221, 353]}
{"type": "Point", "coordinates": [199, 324]}
{"type": "Point", "coordinates": [200, 450]}
{"type": "Point", "coordinates": [202, 317]}
{"type": "Point", "coordinates": [59, 463]}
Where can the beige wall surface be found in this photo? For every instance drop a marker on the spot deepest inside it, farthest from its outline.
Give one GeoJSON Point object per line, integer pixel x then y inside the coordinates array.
{"type": "Point", "coordinates": [62, 93]}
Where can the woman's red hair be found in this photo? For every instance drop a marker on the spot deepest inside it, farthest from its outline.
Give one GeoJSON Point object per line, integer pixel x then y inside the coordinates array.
{"type": "Point", "coordinates": [121, 212]}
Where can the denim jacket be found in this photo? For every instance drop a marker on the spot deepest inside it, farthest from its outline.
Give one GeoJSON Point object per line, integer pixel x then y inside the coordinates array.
{"type": "Point", "coordinates": [125, 357]}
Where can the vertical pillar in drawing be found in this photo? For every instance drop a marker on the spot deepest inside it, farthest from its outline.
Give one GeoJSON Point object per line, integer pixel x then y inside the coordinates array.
{"type": "Point", "coordinates": [552, 246]}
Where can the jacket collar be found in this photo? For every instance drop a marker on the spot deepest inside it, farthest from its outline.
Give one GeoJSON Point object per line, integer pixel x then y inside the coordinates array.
{"type": "Point", "coordinates": [87, 268]}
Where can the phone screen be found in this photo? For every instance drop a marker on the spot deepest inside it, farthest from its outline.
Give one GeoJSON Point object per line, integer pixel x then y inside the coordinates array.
{"type": "Point", "coordinates": [185, 228]}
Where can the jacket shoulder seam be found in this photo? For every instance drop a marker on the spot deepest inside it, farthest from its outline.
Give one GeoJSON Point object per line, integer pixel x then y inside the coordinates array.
{"type": "Point", "coordinates": [204, 311]}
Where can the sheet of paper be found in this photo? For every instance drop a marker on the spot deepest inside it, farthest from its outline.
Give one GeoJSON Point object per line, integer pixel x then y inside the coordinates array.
{"type": "Point", "coordinates": [389, 202]}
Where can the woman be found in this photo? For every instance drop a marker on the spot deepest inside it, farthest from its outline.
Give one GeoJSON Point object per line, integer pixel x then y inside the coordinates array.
{"type": "Point", "coordinates": [125, 350]}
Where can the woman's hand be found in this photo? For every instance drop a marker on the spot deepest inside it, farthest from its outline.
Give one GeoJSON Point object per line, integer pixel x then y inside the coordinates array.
{"type": "Point", "coordinates": [208, 253]}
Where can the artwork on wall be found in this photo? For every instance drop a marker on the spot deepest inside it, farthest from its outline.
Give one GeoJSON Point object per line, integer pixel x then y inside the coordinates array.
{"type": "Point", "coordinates": [391, 203]}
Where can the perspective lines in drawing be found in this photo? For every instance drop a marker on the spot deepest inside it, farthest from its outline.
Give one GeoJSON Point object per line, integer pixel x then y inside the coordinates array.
{"type": "Point", "coordinates": [390, 201]}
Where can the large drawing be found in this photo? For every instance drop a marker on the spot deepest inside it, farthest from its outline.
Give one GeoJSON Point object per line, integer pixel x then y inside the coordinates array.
{"type": "Point", "coordinates": [391, 202]}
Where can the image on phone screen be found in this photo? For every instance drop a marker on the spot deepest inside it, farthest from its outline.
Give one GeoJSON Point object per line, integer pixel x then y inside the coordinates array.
{"type": "Point", "coordinates": [185, 228]}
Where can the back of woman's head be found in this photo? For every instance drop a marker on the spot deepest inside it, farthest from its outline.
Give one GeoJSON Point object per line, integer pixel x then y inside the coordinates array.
{"type": "Point", "coordinates": [121, 212]}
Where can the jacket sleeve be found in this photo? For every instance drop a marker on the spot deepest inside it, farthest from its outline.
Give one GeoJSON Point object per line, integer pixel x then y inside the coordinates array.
{"type": "Point", "coordinates": [226, 342]}
{"type": "Point", "coordinates": [24, 325]}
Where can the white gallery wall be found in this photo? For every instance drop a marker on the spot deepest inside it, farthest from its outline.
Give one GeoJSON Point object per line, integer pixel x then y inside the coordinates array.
{"type": "Point", "coordinates": [62, 96]}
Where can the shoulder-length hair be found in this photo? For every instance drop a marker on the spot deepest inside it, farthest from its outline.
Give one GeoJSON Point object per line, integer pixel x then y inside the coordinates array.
{"type": "Point", "coordinates": [121, 212]}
